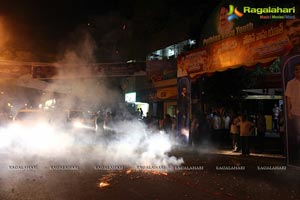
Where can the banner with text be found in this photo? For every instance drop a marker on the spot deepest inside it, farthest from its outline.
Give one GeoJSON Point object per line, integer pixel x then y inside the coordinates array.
{"type": "Point", "coordinates": [258, 46]}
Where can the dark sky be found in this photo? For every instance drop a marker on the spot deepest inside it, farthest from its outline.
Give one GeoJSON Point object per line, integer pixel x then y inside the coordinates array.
{"type": "Point", "coordinates": [115, 30]}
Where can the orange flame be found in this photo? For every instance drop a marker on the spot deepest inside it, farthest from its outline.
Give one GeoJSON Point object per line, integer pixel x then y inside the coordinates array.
{"type": "Point", "coordinates": [103, 184]}
{"type": "Point", "coordinates": [165, 173]}
{"type": "Point", "coordinates": [159, 173]}
{"type": "Point", "coordinates": [104, 181]}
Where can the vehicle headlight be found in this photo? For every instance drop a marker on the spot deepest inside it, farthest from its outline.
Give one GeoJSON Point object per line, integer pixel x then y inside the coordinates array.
{"type": "Point", "coordinates": [78, 125]}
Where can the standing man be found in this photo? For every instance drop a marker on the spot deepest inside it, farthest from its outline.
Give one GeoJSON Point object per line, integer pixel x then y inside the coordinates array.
{"type": "Point", "coordinates": [234, 131]}
{"type": "Point", "coordinates": [261, 131]}
{"type": "Point", "coordinates": [246, 128]}
{"type": "Point", "coordinates": [292, 94]}
{"type": "Point", "coordinates": [289, 71]}
{"type": "Point", "coordinates": [184, 107]}
{"type": "Point", "coordinates": [275, 119]}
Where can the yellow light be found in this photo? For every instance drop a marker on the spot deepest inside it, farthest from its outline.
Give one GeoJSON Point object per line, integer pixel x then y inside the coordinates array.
{"type": "Point", "coordinates": [103, 184]}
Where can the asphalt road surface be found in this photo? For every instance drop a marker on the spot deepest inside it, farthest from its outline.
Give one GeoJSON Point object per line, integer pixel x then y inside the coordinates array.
{"type": "Point", "coordinates": [203, 175]}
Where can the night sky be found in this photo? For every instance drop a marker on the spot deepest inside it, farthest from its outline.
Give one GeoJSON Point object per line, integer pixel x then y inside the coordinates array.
{"type": "Point", "coordinates": [107, 31]}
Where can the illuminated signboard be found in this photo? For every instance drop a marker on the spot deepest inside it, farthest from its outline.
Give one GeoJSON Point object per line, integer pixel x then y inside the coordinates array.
{"type": "Point", "coordinates": [130, 97]}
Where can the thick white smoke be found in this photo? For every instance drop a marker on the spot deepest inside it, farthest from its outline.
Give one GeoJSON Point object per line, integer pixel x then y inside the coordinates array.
{"type": "Point", "coordinates": [134, 145]}
{"type": "Point", "coordinates": [129, 143]}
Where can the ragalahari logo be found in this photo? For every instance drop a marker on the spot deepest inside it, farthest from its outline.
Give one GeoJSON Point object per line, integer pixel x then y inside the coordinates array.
{"type": "Point", "coordinates": [233, 13]}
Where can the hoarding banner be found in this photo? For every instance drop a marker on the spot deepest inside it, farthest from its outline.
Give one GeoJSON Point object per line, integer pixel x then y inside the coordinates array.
{"type": "Point", "coordinates": [167, 93]}
{"type": "Point", "coordinates": [258, 46]}
{"type": "Point", "coordinates": [290, 66]}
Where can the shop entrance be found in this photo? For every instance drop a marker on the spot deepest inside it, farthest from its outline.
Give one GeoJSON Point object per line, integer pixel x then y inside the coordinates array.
{"type": "Point", "coordinates": [240, 91]}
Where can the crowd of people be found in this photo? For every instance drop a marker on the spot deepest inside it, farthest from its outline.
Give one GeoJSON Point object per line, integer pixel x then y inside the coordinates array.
{"type": "Point", "coordinates": [244, 131]}
{"type": "Point", "coordinates": [107, 118]}
{"type": "Point", "coordinates": [240, 129]}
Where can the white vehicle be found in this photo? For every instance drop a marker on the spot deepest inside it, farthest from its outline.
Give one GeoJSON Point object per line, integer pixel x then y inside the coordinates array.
{"type": "Point", "coordinates": [80, 120]}
{"type": "Point", "coordinates": [31, 121]}
{"type": "Point", "coordinates": [31, 116]}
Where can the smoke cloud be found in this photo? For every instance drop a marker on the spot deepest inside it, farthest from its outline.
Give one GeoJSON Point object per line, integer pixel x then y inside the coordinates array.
{"type": "Point", "coordinates": [127, 142]}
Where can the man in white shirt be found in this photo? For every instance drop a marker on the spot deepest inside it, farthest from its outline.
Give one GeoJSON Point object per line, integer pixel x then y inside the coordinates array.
{"type": "Point", "coordinates": [292, 94]}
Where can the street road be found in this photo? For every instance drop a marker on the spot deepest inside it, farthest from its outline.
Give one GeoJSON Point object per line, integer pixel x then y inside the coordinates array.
{"type": "Point", "coordinates": [204, 175]}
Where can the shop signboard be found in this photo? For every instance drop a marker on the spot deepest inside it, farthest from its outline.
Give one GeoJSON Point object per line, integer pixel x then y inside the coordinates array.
{"type": "Point", "coordinates": [238, 33]}
{"type": "Point", "coordinates": [167, 93]}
